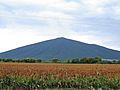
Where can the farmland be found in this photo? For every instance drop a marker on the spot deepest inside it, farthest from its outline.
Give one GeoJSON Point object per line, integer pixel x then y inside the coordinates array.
{"type": "Point", "coordinates": [49, 75]}
{"type": "Point", "coordinates": [36, 69]}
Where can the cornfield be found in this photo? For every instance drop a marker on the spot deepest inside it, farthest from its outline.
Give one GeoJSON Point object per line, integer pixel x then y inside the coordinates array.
{"type": "Point", "coordinates": [35, 76]}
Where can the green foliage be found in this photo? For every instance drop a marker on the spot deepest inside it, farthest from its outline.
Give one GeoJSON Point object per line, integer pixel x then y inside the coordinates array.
{"type": "Point", "coordinates": [68, 61]}
{"type": "Point", "coordinates": [91, 60]}
{"type": "Point", "coordinates": [55, 60]}
{"type": "Point", "coordinates": [107, 62]}
{"type": "Point", "coordinates": [50, 82]}
{"type": "Point", "coordinates": [118, 61]}
{"type": "Point", "coordinates": [86, 60]}
{"type": "Point", "coordinates": [24, 60]}
{"type": "Point", "coordinates": [28, 60]}
{"type": "Point", "coordinates": [75, 60]}
{"type": "Point", "coordinates": [6, 60]}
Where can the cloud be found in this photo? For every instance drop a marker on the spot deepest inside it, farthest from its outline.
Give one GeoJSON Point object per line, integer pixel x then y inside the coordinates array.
{"type": "Point", "coordinates": [46, 4]}
{"type": "Point", "coordinates": [117, 12]}
{"type": "Point", "coordinates": [26, 21]}
{"type": "Point", "coordinates": [11, 38]}
{"type": "Point", "coordinates": [81, 8]}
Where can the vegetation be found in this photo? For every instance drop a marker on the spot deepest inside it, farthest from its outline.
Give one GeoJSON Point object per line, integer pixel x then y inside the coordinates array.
{"type": "Point", "coordinates": [25, 60]}
{"type": "Point", "coordinates": [75, 74]}
{"type": "Point", "coordinates": [41, 76]}
{"type": "Point", "coordinates": [38, 83]}
{"type": "Point", "coordinates": [55, 60]}
{"type": "Point", "coordinates": [94, 60]}
{"type": "Point", "coordinates": [86, 60]}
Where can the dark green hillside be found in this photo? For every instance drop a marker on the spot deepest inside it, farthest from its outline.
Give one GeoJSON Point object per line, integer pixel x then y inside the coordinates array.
{"type": "Point", "coordinates": [61, 48]}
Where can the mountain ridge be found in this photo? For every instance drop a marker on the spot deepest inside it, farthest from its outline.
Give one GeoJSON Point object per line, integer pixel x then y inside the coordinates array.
{"type": "Point", "coordinates": [61, 48]}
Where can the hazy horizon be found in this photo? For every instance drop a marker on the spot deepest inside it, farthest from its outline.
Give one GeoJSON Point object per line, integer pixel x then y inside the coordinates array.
{"type": "Point", "coordinates": [26, 22]}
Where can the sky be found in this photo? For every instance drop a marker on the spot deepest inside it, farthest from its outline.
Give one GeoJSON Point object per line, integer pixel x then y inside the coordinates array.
{"type": "Point", "coordinates": [24, 22]}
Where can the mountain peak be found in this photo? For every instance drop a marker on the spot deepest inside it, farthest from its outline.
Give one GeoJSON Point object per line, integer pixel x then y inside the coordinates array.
{"type": "Point", "coordinates": [61, 38]}
{"type": "Point", "coordinates": [61, 48]}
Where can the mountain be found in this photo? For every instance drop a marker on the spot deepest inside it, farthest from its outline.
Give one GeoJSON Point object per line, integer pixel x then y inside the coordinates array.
{"type": "Point", "coordinates": [61, 48]}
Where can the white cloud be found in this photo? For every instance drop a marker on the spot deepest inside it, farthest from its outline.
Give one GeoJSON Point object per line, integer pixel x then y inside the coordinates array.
{"type": "Point", "coordinates": [30, 21]}
{"type": "Point", "coordinates": [47, 4]}
{"type": "Point", "coordinates": [99, 8]}
{"type": "Point", "coordinates": [54, 15]}
{"type": "Point", "coordinates": [117, 10]}
{"type": "Point", "coordinates": [85, 8]}
{"type": "Point", "coordinates": [43, 14]}
{"type": "Point", "coordinates": [11, 38]}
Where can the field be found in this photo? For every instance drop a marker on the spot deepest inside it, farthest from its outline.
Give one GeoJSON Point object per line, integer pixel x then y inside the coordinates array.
{"type": "Point", "coordinates": [50, 75]}
{"type": "Point", "coordinates": [59, 70]}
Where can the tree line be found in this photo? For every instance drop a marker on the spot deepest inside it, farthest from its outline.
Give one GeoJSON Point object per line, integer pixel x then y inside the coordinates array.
{"type": "Point", "coordinates": [93, 60]}
{"type": "Point", "coordinates": [24, 60]}
{"type": "Point", "coordinates": [86, 60]}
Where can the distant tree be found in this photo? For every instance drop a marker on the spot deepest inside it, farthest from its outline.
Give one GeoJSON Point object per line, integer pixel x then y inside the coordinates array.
{"type": "Point", "coordinates": [76, 60]}
{"type": "Point", "coordinates": [83, 60]}
{"type": "Point", "coordinates": [8, 60]}
{"type": "Point", "coordinates": [28, 60]}
{"type": "Point", "coordinates": [114, 62]}
{"type": "Point", "coordinates": [91, 60]}
{"type": "Point", "coordinates": [55, 60]}
{"type": "Point", "coordinates": [39, 60]}
{"type": "Point", "coordinates": [1, 60]}
{"type": "Point", "coordinates": [118, 61]}
{"type": "Point", "coordinates": [97, 60]}
{"type": "Point", "coordinates": [68, 61]}
{"type": "Point", "coordinates": [106, 62]}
